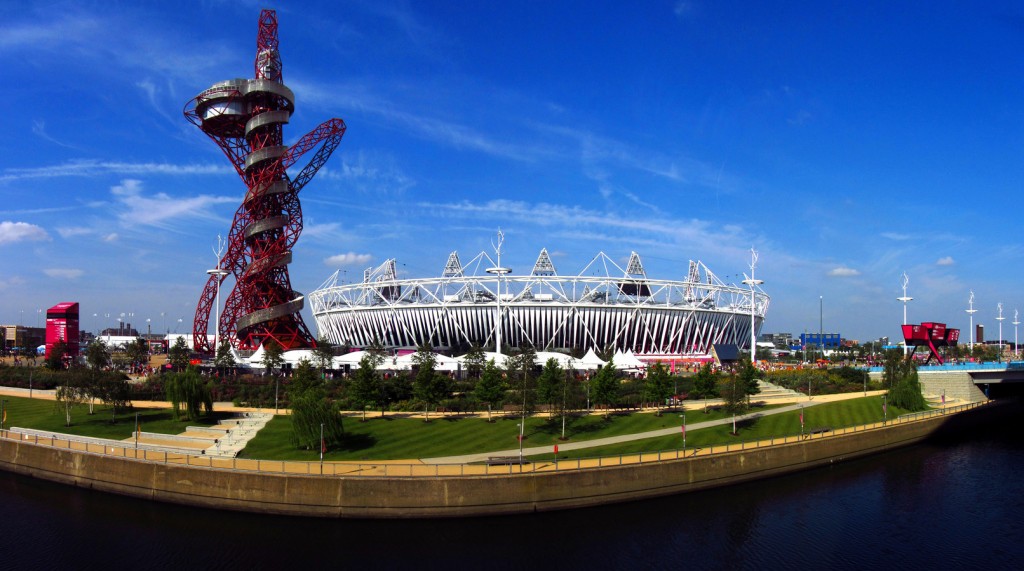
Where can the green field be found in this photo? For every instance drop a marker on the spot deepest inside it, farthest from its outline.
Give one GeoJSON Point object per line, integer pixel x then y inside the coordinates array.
{"type": "Point", "coordinates": [45, 415]}
{"type": "Point", "coordinates": [393, 437]}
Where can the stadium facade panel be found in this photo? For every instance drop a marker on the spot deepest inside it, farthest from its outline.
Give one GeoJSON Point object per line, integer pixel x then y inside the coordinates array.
{"type": "Point", "coordinates": [603, 307]}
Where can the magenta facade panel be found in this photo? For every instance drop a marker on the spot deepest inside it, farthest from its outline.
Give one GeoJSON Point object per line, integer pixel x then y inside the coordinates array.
{"type": "Point", "coordinates": [62, 325]}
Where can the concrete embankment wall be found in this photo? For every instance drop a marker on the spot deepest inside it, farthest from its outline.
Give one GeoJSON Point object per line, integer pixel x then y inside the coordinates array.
{"type": "Point", "coordinates": [306, 495]}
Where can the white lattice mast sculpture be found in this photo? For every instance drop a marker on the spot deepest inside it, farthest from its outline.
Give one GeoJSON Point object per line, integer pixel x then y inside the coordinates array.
{"type": "Point", "coordinates": [971, 311]}
{"type": "Point", "coordinates": [999, 307]}
{"type": "Point", "coordinates": [905, 299]}
{"type": "Point", "coordinates": [753, 303]}
{"type": "Point", "coordinates": [499, 271]}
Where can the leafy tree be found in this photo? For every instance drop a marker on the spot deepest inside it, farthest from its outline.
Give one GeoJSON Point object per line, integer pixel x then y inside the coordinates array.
{"type": "Point", "coordinates": [377, 347]}
{"type": "Point", "coordinates": [549, 383]}
{"type": "Point", "coordinates": [604, 386]}
{"type": "Point", "coordinates": [705, 384]}
{"type": "Point", "coordinates": [186, 389]}
{"type": "Point", "coordinates": [521, 376]}
{"type": "Point", "coordinates": [475, 360]}
{"type": "Point", "coordinates": [366, 388]}
{"type": "Point", "coordinates": [110, 388]}
{"type": "Point", "coordinates": [137, 352]}
{"type": "Point", "coordinates": [491, 387]}
{"type": "Point", "coordinates": [657, 385]}
{"type": "Point", "coordinates": [734, 396]}
{"type": "Point", "coordinates": [429, 386]}
{"type": "Point", "coordinates": [55, 360]}
{"type": "Point", "coordinates": [748, 376]}
{"type": "Point", "coordinates": [900, 375]}
{"type": "Point", "coordinates": [311, 410]}
{"type": "Point", "coordinates": [323, 354]}
{"type": "Point", "coordinates": [97, 355]}
{"type": "Point", "coordinates": [71, 394]}
{"type": "Point", "coordinates": [225, 359]}
{"type": "Point", "coordinates": [178, 355]}
{"type": "Point", "coordinates": [304, 378]}
{"type": "Point", "coordinates": [273, 358]}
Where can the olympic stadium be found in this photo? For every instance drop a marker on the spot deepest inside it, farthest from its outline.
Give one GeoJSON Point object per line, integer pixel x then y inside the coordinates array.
{"type": "Point", "coordinates": [602, 307]}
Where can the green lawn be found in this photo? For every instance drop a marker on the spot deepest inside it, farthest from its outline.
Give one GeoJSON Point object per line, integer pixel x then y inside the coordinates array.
{"type": "Point", "coordinates": [392, 438]}
{"type": "Point", "coordinates": [832, 415]}
{"type": "Point", "coordinates": [45, 415]}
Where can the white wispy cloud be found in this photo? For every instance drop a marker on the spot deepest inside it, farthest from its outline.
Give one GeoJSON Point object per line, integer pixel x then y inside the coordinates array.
{"type": "Point", "coordinates": [348, 259]}
{"type": "Point", "coordinates": [843, 272]}
{"type": "Point", "coordinates": [945, 261]}
{"type": "Point", "coordinates": [11, 232]}
{"type": "Point", "coordinates": [63, 273]}
{"type": "Point", "coordinates": [896, 236]}
{"type": "Point", "coordinates": [159, 209]}
{"type": "Point", "coordinates": [369, 172]}
{"type": "Point", "coordinates": [88, 168]}
{"type": "Point", "coordinates": [72, 231]}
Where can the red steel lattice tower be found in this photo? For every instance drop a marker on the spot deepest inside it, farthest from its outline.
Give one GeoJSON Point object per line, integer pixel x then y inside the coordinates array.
{"type": "Point", "coordinates": [245, 117]}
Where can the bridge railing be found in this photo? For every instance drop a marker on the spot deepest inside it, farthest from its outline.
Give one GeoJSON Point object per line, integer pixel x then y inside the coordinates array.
{"type": "Point", "coordinates": [417, 469]}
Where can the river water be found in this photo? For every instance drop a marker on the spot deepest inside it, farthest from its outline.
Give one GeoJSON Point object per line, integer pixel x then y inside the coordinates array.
{"type": "Point", "coordinates": [952, 504]}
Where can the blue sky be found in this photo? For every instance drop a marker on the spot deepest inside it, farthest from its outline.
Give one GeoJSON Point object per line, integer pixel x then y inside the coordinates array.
{"type": "Point", "coordinates": [846, 142]}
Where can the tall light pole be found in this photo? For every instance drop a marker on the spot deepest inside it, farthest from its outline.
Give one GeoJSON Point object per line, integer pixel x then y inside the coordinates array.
{"type": "Point", "coordinates": [499, 271]}
{"type": "Point", "coordinates": [971, 311]}
{"type": "Point", "coordinates": [1000, 320]}
{"type": "Point", "coordinates": [752, 282]}
{"type": "Point", "coordinates": [1016, 347]}
{"type": "Point", "coordinates": [220, 273]}
{"type": "Point", "coordinates": [905, 299]}
{"type": "Point", "coordinates": [821, 324]}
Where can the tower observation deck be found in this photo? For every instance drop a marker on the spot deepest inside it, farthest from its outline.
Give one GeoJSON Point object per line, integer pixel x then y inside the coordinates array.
{"type": "Point", "coordinates": [246, 118]}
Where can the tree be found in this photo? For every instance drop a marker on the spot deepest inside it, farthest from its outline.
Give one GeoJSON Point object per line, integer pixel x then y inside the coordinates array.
{"type": "Point", "coordinates": [657, 385]}
{"type": "Point", "coordinates": [304, 378]}
{"type": "Point", "coordinates": [273, 358]}
{"type": "Point", "coordinates": [604, 386]}
{"type": "Point", "coordinates": [225, 358]}
{"type": "Point", "coordinates": [312, 412]}
{"type": "Point", "coordinates": [71, 394]}
{"type": "Point", "coordinates": [734, 395]}
{"type": "Point", "coordinates": [705, 384]}
{"type": "Point", "coordinates": [549, 383]}
{"type": "Point", "coordinates": [55, 360]}
{"type": "Point", "coordinates": [186, 389]}
{"type": "Point", "coordinates": [366, 388]}
{"type": "Point", "coordinates": [520, 376]}
{"type": "Point", "coordinates": [178, 354]}
{"type": "Point", "coordinates": [137, 352]}
{"type": "Point", "coordinates": [97, 355]}
{"type": "Point", "coordinates": [491, 387]}
{"type": "Point", "coordinates": [748, 377]}
{"type": "Point", "coordinates": [429, 386]}
{"type": "Point", "coordinates": [475, 360]}
{"type": "Point", "coordinates": [900, 375]}
{"type": "Point", "coordinates": [323, 354]}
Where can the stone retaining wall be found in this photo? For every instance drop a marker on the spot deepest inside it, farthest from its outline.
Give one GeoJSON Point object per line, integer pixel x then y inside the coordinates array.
{"type": "Point", "coordinates": [397, 497]}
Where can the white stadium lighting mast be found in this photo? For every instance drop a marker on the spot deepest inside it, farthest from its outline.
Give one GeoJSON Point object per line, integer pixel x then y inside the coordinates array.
{"type": "Point", "coordinates": [971, 311]}
{"type": "Point", "coordinates": [1016, 347]}
{"type": "Point", "coordinates": [499, 271]}
{"type": "Point", "coordinates": [905, 299]}
{"type": "Point", "coordinates": [1000, 319]}
{"type": "Point", "coordinates": [220, 273]}
{"type": "Point", "coordinates": [753, 303]}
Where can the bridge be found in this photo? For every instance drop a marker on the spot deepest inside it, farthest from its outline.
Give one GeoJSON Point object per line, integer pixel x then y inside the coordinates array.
{"type": "Point", "coordinates": [969, 382]}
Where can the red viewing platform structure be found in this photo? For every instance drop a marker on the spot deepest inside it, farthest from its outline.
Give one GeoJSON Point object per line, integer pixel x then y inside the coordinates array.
{"type": "Point", "coordinates": [931, 335]}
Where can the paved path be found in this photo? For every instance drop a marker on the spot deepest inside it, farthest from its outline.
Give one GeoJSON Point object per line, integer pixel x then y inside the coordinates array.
{"type": "Point", "coordinates": [466, 458]}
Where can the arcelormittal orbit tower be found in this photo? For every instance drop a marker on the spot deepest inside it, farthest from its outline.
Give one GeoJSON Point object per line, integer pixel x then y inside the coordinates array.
{"type": "Point", "coordinates": [246, 117]}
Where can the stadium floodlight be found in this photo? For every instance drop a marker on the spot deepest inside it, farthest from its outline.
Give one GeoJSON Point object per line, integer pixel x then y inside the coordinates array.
{"type": "Point", "coordinates": [753, 303]}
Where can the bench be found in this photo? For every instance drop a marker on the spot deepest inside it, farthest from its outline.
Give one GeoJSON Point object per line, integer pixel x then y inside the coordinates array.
{"type": "Point", "coordinates": [505, 460]}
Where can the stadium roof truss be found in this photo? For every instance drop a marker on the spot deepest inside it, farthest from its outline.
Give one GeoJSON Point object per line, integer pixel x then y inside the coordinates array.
{"type": "Point", "coordinates": [603, 306]}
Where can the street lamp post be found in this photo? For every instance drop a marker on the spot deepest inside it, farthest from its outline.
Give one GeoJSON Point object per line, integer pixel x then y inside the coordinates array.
{"type": "Point", "coordinates": [971, 311]}
{"type": "Point", "coordinates": [905, 299]}
{"type": "Point", "coordinates": [1000, 320]}
{"type": "Point", "coordinates": [499, 271]}
{"type": "Point", "coordinates": [1016, 347]}
{"type": "Point", "coordinates": [752, 282]}
{"type": "Point", "coordinates": [821, 324]}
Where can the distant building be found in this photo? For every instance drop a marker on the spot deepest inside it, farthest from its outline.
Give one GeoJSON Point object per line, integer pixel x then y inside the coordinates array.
{"type": "Point", "coordinates": [821, 340]}
{"type": "Point", "coordinates": [979, 333]}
